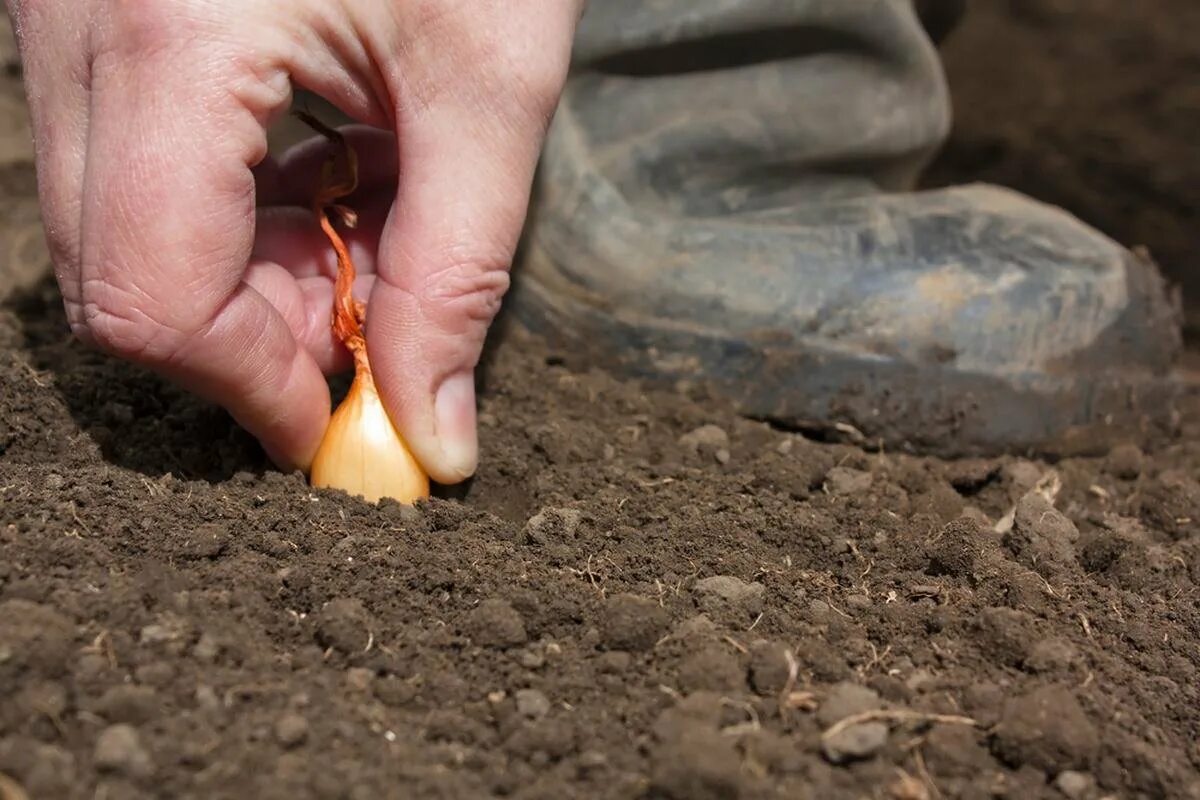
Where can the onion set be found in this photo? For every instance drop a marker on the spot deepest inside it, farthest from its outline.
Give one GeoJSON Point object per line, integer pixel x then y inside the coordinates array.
{"type": "Point", "coordinates": [362, 453]}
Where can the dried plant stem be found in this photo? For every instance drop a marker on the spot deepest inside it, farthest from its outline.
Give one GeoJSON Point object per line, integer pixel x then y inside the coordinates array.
{"type": "Point", "coordinates": [339, 178]}
{"type": "Point", "coordinates": [895, 715]}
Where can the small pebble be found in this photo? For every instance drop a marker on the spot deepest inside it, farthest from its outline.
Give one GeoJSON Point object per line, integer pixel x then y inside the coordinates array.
{"type": "Point", "coordinates": [769, 668]}
{"type": "Point", "coordinates": [156, 634]}
{"type": "Point", "coordinates": [613, 662]}
{"type": "Point", "coordinates": [206, 698]}
{"type": "Point", "coordinates": [119, 749]}
{"type": "Point", "coordinates": [128, 703]}
{"type": "Point", "coordinates": [631, 622]}
{"type": "Point", "coordinates": [1051, 654]}
{"type": "Point", "coordinates": [44, 697]}
{"type": "Point", "coordinates": [1125, 461]}
{"type": "Point", "coordinates": [531, 659]}
{"type": "Point", "coordinates": [1046, 728]}
{"type": "Point", "coordinates": [394, 691]}
{"type": "Point", "coordinates": [707, 440]}
{"type": "Point", "coordinates": [712, 668]}
{"type": "Point", "coordinates": [552, 524]}
{"type": "Point", "coordinates": [845, 481]}
{"type": "Point", "coordinates": [156, 673]}
{"type": "Point", "coordinates": [921, 681]}
{"type": "Point", "coordinates": [1075, 785]}
{"type": "Point", "coordinates": [291, 730]}
{"type": "Point", "coordinates": [1021, 475]}
{"type": "Point", "coordinates": [359, 679]}
{"type": "Point", "coordinates": [51, 773]}
{"type": "Point", "coordinates": [344, 624]}
{"type": "Point", "coordinates": [206, 649]}
{"type": "Point", "coordinates": [495, 623]}
{"type": "Point", "coordinates": [697, 627]}
{"type": "Point", "coordinates": [977, 515]}
{"type": "Point", "coordinates": [592, 760]}
{"type": "Point", "coordinates": [855, 742]}
{"type": "Point", "coordinates": [89, 666]}
{"type": "Point", "coordinates": [820, 611]}
{"type": "Point", "coordinates": [727, 596]}
{"type": "Point", "coordinates": [532, 704]}
{"type": "Point", "coordinates": [206, 542]}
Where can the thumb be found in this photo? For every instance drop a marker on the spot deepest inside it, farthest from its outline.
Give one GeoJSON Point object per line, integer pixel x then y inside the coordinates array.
{"type": "Point", "coordinates": [467, 159]}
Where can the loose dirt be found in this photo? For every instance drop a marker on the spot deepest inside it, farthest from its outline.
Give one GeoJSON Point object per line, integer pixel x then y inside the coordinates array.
{"type": "Point", "coordinates": [640, 595]}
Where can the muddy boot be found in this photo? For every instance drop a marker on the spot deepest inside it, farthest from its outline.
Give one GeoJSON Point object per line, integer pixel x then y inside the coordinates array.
{"type": "Point", "coordinates": [726, 198]}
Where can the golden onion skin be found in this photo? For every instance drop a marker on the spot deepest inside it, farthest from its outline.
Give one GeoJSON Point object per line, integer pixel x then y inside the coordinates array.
{"type": "Point", "coordinates": [363, 454]}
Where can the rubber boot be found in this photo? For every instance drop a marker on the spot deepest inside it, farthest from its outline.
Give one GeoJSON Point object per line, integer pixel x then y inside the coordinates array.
{"type": "Point", "coordinates": [727, 197]}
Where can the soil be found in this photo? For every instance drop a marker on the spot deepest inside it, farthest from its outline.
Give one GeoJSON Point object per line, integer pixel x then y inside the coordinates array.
{"type": "Point", "coordinates": [641, 594]}
{"type": "Point", "coordinates": [1089, 104]}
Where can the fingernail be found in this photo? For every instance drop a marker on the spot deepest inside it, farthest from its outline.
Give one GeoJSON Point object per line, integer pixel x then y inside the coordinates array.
{"type": "Point", "coordinates": [454, 415]}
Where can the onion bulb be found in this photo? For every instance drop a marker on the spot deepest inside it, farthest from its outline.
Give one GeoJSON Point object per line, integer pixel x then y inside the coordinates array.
{"type": "Point", "coordinates": [362, 453]}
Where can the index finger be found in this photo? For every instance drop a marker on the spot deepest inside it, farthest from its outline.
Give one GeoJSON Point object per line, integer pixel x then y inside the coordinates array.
{"type": "Point", "coordinates": [168, 227]}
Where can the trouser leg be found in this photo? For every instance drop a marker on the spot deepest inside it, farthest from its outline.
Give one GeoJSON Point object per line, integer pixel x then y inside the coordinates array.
{"type": "Point", "coordinates": [712, 106]}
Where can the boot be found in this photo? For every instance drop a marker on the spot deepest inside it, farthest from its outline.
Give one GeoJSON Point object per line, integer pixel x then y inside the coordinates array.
{"type": "Point", "coordinates": [727, 197]}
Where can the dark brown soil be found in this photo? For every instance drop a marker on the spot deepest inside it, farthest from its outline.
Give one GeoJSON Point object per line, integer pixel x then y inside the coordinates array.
{"type": "Point", "coordinates": [1090, 104]}
{"type": "Point", "coordinates": [641, 595]}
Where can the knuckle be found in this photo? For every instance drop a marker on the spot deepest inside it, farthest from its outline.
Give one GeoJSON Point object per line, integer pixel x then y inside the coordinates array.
{"type": "Point", "coordinates": [117, 333]}
{"type": "Point", "coordinates": [119, 327]}
{"type": "Point", "coordinates": [469, 291]}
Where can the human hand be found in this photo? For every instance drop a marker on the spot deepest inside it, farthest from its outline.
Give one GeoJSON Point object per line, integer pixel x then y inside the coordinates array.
{"type": "Point", "coordinates": [150, 125]}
